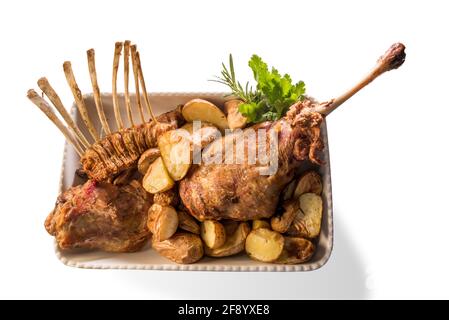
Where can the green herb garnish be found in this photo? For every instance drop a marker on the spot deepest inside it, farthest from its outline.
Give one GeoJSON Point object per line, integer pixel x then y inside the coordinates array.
{"type": "Point", "coordinates": [274, 93]}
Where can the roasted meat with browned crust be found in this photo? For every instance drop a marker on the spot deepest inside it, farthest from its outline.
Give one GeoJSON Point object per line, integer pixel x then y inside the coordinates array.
{"type": "Point", "coordinates": [121, 150]}
{"type": "Point", "coordinates": [101, 216]}
{"type": "Point", "coordinates": [239, 191]}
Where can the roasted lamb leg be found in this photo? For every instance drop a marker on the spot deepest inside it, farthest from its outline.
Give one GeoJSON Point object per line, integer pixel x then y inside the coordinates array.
{"type": "Point", "coordinates": [239, 191]}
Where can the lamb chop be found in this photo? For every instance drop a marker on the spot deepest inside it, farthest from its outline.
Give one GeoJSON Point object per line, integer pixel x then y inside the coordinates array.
{"type": "Point", "coordinates": [99, 215]}
{"type": "Point", "coordinates": [239, 191]}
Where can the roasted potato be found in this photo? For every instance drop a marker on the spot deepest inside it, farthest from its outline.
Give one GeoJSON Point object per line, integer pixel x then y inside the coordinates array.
{"type": "Point", "coordinates": [167, 198]}
{"type": "Point", "coordinates": [188, 223]}
{"type": "Point", "coordinates": [162, 221]}
{"type": "Point", "coordinates": [281, 223]}
{"type": "Point", "coordinates": [213, 234]}
{"type": "Point", "coordinates": [183, 247]}
{"type": "Point", "coordinates": [176, 152]}
{"type": "Point", "coordinates": [296, 250]}
{"type": "Point", "coordinates": [309, 182]}
{"type": "Point", "coordinates": [157, 178]}
{"type": "Point", "coordinates": [146, 159]}
{"type": "Point", "coordinates": [203, 136]}
{"type": "Point", "coordinates": [235, 242]}
{"type": "Point", "coordinates": [189, 126]}
{"type": "Point", "coordinates": [307, 223]}
{"type": "Point", "coordinates": [264, 245]}
{"type": "Point", "coordinates": [199, 109]}
{"type": "Point", "coordinates": [235, 119]}
{"type": "Point", "coordinates": [257, 224]}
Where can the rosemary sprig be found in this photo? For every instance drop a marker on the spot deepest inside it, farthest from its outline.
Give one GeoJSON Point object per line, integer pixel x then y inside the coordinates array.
{"type": "Point", "coordinates": [227, 78]}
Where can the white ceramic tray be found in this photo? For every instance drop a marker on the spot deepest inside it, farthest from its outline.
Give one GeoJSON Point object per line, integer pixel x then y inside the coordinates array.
{"type": "Point", "coordinates": [149, 259]}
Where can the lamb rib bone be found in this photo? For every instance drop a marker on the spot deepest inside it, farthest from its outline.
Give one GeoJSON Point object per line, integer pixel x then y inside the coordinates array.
{"type": "Point", "coordinates": [45, 107]}
{"type": "Point", "coordinates": [96, 90]}
{"type": "Point", "coordinates": [144, 87]}
{"type": "Point", "coordinates": [79, 100]}
{"type": "Point", "coordinates": [115, 103]}
{"type": "Point", "coordinates": [126, 80]}
{"type": "Point", "coordinates": [136, 81]}
{"type": "Point", "coordinates": [45, 86]}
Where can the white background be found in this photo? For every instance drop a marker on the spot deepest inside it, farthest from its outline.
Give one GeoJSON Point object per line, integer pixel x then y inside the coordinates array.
{"type": "Point", "coordinates": [388, 144]}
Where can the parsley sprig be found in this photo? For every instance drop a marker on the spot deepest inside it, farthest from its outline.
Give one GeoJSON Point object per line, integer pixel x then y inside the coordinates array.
{"type": "Point", "coordinates": [273, 95]}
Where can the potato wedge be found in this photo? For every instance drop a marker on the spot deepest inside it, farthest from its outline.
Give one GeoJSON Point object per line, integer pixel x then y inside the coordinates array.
{"type": "Point", "coordinates": [162, 221]}
{"type": "Point", "coordinates": [309, 182]}
{"type": "Point", "coordinates": [307, 223]}
{"type": "Point", "coordinates": [167, 198]}
{"type": "Point", "coordinates": [257, 224]}
{"type": "Point", "coordinates": [146, 159]}
{"type": "Point", "coordinates": [264, 245]}
{"type": "Point", "coordinates": [296, 250]}
{"type": "Point", "coordinates": [199, 109]}
{"type": "Point", "coordinates": [189, 126]}
{"type": "Point", "coordinates": [157, 178]}
{"type": "Point", "coordinates": [281, 223]}
{"type": "Point", "coordinates": [204, 135]}
{"type": "Point", "coordinates": [176, 152]}
{"type": "Point", "coordinates": [183, 248]}
{"type": "Point", "coordinates": [235, 119]}
{"type": "Point", "coordinates": [188, 223]}
{"type": "Point", "coordinates": [213, 234]}
{"type": "Point", "coordinates": [235, 242]}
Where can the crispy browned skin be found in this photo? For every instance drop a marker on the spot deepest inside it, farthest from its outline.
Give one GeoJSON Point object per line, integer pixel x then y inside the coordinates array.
{"type": "Point", "coordinates": [101, 216]}
{"type": "Point", "coordinates": [239, 191]}
{"type": "Point", "coordinates": [121, 150]}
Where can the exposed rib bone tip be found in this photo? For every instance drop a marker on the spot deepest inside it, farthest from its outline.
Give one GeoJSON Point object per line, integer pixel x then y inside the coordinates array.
{"type": "Point", "coordinates": [31, 93]}
{"type": "Point", "coordinates": [42, 80]}
{"type": "Point", "coordinates": [67, 65]}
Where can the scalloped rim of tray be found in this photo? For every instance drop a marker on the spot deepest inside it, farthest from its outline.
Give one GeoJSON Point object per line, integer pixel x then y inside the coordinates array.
{"type": "Point", "coordinates": [147, 259]}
